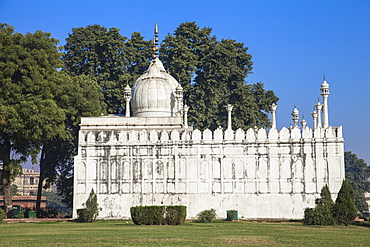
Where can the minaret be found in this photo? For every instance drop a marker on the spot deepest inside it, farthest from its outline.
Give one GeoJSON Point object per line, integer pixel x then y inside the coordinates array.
{"type": "Point", "coordinates": [324, 89]}
{"type": "Point", "coordinates": [127, 96]}
{"type": "Point", "coordinates": [303, 122]}
{"type": "Point", "coordinates": [314, 118]}
{"type": "Point", "coordinates": [295, 115]}
{"type": "Point", "coordinates": [273, 120]}
{"type": "Point", "coordinates": [186, 109]}
{"type": "Point", "coordinates": [179, 100]}
{"type": "Point", "coordinates": [229, 108]}
{"type": "Point", "coordinates": [319, 108]}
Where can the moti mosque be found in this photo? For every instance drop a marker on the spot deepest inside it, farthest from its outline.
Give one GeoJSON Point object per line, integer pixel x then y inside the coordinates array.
{"type": "Point", "coordinates": [155, 158]}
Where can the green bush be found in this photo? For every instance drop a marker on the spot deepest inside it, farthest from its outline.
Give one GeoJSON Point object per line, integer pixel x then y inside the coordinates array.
{"type": "Point", "coordinates": [322, 214]}
{"type": "Point", "coordinates": [91, 210]}
{"type": "Point", "coordinates": [2, 214]}
{"type": "Point", "coordinates": [157, 215]}
{"type": "Point", "coordinates": [147, 215]}
{"type": "Point", "coordinates": [175, 215]}
{"type": "Point", "coordinates": [82, 215]}
{"type": "Point", "coordinates": [230, 215]}
{"type": "Point", "coordinates": [206, 216]}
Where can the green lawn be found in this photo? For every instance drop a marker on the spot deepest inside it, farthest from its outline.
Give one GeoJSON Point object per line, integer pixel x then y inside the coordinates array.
{"type": "Point", "coordinates": [121, 233]}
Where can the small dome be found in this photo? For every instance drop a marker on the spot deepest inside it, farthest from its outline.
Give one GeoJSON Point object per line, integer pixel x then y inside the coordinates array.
{"type": "Point", "coordinates": [324, 84]}
{"type": "Point", "coordinates": [295, 111]}
{"type": "Point", "coordinates": [153, 93]}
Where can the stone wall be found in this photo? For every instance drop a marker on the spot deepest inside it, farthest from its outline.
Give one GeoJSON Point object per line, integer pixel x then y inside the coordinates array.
{"type": "Point", "coordinates": [262, 175]}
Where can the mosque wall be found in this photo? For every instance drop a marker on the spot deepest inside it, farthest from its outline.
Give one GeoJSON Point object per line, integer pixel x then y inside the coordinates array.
{"type": "Point", "coordinates": [274, 174]}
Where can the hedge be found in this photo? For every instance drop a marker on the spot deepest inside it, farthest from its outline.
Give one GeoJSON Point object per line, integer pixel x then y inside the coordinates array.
{"type": "Point", "coordinates": [158, 215]}
{"type": "Point", "coordinates": [175, 215]}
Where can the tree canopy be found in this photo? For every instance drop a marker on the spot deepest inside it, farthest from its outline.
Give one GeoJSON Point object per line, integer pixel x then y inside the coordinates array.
{"type": "Point", "coordinates": [112, 59]}
{"type": "Point", "coordinates": [78, 96]}
{"type": "Point", "coordinates": [29, 116]}
{"type": "Point", "coordinates": [213, 74]}
{"type": "Point", "coordinates": [357, 174]}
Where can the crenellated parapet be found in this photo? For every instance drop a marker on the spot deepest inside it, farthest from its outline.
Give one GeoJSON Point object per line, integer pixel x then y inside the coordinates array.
{"type": "Point", "coordinates": [158, 136]}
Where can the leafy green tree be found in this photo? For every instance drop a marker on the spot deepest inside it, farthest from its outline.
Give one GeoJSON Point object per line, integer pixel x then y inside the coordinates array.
{"type": "Point", "coordinates": [109, 57]}
{"type": "Point", "coordinates": [344, 208]}
{"type": "Point", "coordinates": [322, 214]}
{"type": "Point", "coordinates": [357, 174]}
{"type": "Point", "coordinates": [29, 115]}
{"type": "Point", "coordinates": [78, 96]}
{"type": "Point", "coordinates": [213, 74]}
{"type": "Point", "coordinates": [181, 52]}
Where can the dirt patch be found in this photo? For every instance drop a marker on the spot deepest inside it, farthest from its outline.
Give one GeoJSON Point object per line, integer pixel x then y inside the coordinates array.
{"type": "Point", "coordinates": [253, 240]}
{"type": "Point", "coordinates": [159, 240]}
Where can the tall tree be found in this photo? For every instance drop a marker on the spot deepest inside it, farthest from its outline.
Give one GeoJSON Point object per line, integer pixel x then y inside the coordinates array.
{"type": "Point", "coordinates": [29, 115]}
{"type": "Point", "coordinates": [182, 52]}
{"type": "Point", "coordinates": [78, 96]}
{"type": "Point", "coordinates": [344, 208]}
{"type": "Point", "coordinates": [357, 174]}
{"type": "Point", "coordinates": [213, 74]}
{"type": "Point", "coordinates": [109, 57]}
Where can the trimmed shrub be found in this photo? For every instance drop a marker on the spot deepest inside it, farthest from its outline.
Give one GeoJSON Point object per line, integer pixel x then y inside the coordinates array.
{"type": "Point", "coordinates": [206, 216]}
{"type": "Point", "coordinates": [147, 215]}
{"type": "Point", "coordinates": [175, 215]}
{"type": "Point", "coordinates": [91, 210]}
{"type": "Point", "coordinates": [230, 215]}
{"type": "Point", "coordinates": [82, 215]}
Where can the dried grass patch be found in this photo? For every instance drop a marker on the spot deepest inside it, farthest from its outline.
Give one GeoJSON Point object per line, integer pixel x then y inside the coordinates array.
{"type": "Point", "coordinates": [252, 240]}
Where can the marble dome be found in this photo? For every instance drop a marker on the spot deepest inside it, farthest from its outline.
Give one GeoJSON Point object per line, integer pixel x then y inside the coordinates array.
{"type": "Point", "coordinates": [153, 93]}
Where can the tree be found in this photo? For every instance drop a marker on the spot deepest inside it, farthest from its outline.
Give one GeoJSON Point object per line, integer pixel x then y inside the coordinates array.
{"type": "Point", "coordinates": [29, 115]}
{"type": "Point", "coordinates": [213, 74]}
{"type": "Point", "coordinates": [55, 201]}
{"type": "Point", "coordinates": [90, 210]}
{"type": "Point", "coordinates": [344, 208]}
{"type": "Point", "coordinates": [78, 96]}
{"type": "Point", "coordinates": [357, 174]}
{"type": "Point", "coordinates": [322, 214]}
{"type": "Point", "coordinates": [107, 56]}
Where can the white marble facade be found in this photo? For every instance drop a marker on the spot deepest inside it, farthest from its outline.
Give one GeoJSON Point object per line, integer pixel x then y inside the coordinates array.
{"type": "Point", "coordinates": [262, 175]}
{"type": "Point", "coordinates": [156, 159]}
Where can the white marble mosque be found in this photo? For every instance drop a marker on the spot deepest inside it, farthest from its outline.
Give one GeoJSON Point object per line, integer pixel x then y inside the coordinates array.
{"type": "Point", "coordinates": [155, 158]}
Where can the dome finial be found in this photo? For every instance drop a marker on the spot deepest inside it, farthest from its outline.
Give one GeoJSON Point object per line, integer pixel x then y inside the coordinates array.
{"type": "Point", "coordinates": [155, 42]}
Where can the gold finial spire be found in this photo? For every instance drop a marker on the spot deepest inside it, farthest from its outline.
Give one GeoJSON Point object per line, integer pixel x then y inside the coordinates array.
{"type": "Point", "coordinates": [155, 42]}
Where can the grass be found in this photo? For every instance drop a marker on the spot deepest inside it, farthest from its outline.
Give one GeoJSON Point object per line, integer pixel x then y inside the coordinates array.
{"type": "Point", "coordinates": [123, 233]}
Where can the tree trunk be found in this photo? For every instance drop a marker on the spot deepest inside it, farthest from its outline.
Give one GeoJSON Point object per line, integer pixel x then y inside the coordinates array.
{"type": "Point", "coordinates": [41, 181]}
{"type": "Point", "coordinates": [6, 179]}
{"type": "Point", "coordinates": [8, 203]}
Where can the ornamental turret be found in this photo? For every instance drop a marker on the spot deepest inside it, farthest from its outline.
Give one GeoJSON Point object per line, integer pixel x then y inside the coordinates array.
{"type": "Point", "coordinates": [324, 90]}
{"type": "Point", "coordinates": [295, 116]}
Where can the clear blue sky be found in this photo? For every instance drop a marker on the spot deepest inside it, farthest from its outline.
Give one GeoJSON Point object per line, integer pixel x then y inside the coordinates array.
{"type": "Point", "coordinates": [293, 44]}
